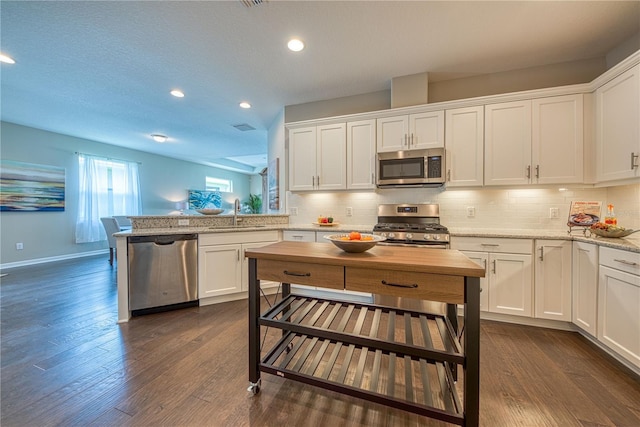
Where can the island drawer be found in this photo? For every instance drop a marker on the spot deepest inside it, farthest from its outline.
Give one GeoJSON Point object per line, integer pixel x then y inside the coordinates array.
{"type": "Point", "coordinates": [433, 287]}
{"type": "Point", "coordinates": [326, 276]}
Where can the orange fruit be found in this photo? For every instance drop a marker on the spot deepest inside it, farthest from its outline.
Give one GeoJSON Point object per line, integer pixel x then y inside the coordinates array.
{"type": "Point", "coordinates": [354, 235]}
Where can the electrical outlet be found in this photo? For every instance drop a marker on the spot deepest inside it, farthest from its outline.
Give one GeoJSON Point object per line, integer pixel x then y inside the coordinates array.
{"type": "Point", "coordinates": [183, 222]}
{"type": "Point", "coordinates": [471, 211]}
{"type": "Point", "coordinates": [19, 246]}
{"type": "Point", "coordinates": [554, 213]}
{"type": "Point", "coordinates": [349, 211]}
{"type": "Point", "coordinates": [293, 211]}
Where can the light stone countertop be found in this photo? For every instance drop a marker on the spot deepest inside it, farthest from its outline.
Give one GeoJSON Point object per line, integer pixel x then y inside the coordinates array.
{"type": "Point", "coordinates": [631, 243]}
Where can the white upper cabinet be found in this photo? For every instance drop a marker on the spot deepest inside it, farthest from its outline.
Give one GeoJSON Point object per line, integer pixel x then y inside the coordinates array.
{"type": "Point", "coordinates": [537, 141]}
{"type": "Point", "coordinates": [618, 127]}
{"type": "Point", "coordinates": [317, 158]}
{"type": "Point", "coordinates": [558, 140]}
{"type": "Point", "coordinates": [464, 142]}
{"type": "Point", "coordinates": [361, 155]}
{"type": "Point", "coordinates": [411, 132]}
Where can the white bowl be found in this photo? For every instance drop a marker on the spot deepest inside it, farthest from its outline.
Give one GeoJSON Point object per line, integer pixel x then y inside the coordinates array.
{"type": "Point", "coordinates": [354, 246]}
{"type": "Point", "coordinates": [210, 211]}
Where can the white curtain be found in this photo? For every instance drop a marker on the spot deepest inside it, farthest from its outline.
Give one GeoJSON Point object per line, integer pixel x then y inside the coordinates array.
{"type": "Point", "coordinates": [106, 188]}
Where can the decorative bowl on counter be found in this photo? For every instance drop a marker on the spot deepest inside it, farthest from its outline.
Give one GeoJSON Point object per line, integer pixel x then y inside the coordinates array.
{"type": "Point", "coordinates": [611, 233]}
{"type": "Point", "coordinates": [212, 211]}
{"type": "Point", "coordinates": [366, 242]}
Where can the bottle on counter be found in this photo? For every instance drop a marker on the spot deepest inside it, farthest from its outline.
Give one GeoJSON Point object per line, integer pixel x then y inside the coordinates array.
{"type": "Point", "coordinates": [610, 218]}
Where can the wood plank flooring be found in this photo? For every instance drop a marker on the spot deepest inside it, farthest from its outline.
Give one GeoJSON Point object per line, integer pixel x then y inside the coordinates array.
{"type": "Point", "coordinates": [66, 362]}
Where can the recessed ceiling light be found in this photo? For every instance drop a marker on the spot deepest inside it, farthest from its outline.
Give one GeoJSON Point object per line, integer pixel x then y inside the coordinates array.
{"type": "Point", "coordinates": [245, 105]}
{"type": "Point", "coordinates": [295, 45]}
{"type": "Point", "coordinates": [159, 138]}
{"type": "Point", "coordinates": [6, 59]}
{"type": "Point", "coordinates": [177, 93]}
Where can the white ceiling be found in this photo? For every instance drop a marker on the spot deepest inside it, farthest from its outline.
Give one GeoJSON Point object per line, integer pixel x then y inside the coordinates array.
{"type": "Point", "coordinates": [102, 70]}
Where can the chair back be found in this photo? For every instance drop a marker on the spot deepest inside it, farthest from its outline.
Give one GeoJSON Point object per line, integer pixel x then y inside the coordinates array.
{"type": "Point", "coordinates": [110, 227]}
{"type": "Point", "coordinates": [123, 221]}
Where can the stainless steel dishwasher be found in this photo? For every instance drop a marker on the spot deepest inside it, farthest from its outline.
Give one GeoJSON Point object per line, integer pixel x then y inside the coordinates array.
{"type": "Point", "coordinates": [163, 272]}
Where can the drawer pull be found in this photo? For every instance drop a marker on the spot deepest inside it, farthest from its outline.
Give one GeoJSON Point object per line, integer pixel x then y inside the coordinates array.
{"type": "Point", "coordinates": [624, 261]}
{"type": "Point", "coordinates": [399, 285]}
{"type": "Point", "coordinates": [489, 244]}
{"type": "Point", "coordinates": [293, 273]}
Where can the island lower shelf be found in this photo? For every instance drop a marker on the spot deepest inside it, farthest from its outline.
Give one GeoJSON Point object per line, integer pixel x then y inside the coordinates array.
{"type": "Point", "coordinates": [400, 358]}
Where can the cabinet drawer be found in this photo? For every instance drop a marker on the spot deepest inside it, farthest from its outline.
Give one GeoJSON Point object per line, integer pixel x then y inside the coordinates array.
{"type": "Point", "coordinates": [492, 244]}
{"type": "Point", "coordinates": [236, 237]}
{"type": "Point", "coordinates": [326, 276]}
{"type": "Point", "coordinates": [620, 260]}
{"type": "Point", "coordinates": [433, 287]}
{"type": "Point", "coordinates": [299, 236]}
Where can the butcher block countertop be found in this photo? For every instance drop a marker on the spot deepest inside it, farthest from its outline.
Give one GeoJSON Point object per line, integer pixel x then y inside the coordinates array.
{"type": "Point", "coordinates": [449, 262]}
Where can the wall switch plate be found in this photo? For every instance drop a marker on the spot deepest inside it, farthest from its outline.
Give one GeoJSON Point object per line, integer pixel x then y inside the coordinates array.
{"type": "Point", "coordinates": [554, 213]}
{"type": "Point", "coordinates": [293, 211]}
{"type": "Point", "coordinates": [471, 212]}
{"type": "Point", "coordinates": [183, 222]}
{"type": "Point", "coordinates": [19, 246]}
{"type": "Point", "coordinates": [349, 211]}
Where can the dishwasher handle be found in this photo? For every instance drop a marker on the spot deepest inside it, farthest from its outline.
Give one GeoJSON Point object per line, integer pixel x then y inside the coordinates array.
{"type": "Point", "coordinates": [163, 239]}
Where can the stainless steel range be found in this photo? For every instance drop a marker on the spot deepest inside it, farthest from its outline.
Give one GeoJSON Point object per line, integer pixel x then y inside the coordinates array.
{"type": "Point", "coordinates": [412, 225]}
{"type": "Point", "coordinates": [415, 225]}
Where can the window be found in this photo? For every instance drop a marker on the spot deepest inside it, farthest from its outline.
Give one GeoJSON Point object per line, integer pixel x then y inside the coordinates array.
{"type": "Point", "coordinates": [219, 184]}
{"type": "Point", "coordinates": [107, 187]}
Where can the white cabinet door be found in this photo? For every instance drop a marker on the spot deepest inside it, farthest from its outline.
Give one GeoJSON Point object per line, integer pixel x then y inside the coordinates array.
{"type": "Point", "coordinates": [392, 133]}
{"type": "Point", "coordinates": [510, 284]}
{"type": "Point", "coordinates": [507, 143]}
{"type": "Point", "coordinates": [426, 130]}
{"type": "Point", "coordinates": [219, 270]}
{"type": "Point", "coordinates": [464, 141]}
{"type": "Point", "coordinates": [482, 258]}
{"type": "Point", "coordinates": [553, 280]}
{"type": "Point", "coordinates": [557, 140]}
{"type": "Point", "coordinates": [618, 127]}
{"type": "Point", "coordinates": [618, 313]}
{"type": "Point", "coordinates": [361, 155]}
{"type": "Point", "coordinates": [302, 159]}
{"type": "Point", "coordinates": [585, 286]}
{"type": "Point", "coordinates": [331, 157]}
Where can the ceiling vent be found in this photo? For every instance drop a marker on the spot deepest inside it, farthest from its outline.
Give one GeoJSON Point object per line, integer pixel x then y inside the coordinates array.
{"type": "Point", "coordinates": [250, 3]}
{"type": "Point", "coordinates": [244, 127]}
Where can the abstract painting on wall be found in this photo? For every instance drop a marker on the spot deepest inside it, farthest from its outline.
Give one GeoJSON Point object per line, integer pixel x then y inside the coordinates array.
{"type": "Point", "coordinates": [26, 187]}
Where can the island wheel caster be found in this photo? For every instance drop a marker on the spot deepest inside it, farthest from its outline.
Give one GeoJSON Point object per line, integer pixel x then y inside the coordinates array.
{"type": "Point", "coordinates": [254, 388]}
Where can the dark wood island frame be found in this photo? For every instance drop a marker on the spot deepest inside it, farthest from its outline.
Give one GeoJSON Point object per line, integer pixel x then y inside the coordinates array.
{"type": "Point", "coordinates": [320, 340]}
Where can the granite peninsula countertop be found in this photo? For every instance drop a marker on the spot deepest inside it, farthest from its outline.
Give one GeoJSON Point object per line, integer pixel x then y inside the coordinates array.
{"type": "Point", "coordinates": [630, 244]}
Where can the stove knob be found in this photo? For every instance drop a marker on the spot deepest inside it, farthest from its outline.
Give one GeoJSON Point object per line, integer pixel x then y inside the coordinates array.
{"type": "Point", "coordinates": [383, 235]}
{"type": "Point", "coordinates": [392, 235]}
{"type": "Point", "coordinates": [426, 236]}
{"type": "Point", "coordinates": [436, 237]}
{"type": "Point", "coordinates": [409, 236]}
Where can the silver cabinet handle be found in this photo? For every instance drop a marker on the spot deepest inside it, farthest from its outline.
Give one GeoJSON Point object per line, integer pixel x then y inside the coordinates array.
{"type": "Point", "coordinates": [624, 261]}
{"type": "Point", "coordinates": [238, 254]}
{"type": "Point", "coordinates": [537, 171]}
{"type": "Point", "coordinates": [529, 171]}
{"type": "Point", "coordinates": [634, 156]}
{"type": "Point", "coordinates": [541, 253]}
{"type": "Point", "coordinates": [313, 181]}
{"type": "Point", "coordinates": [449, 175]}
{"type": "Point", "coordinates": [494, 266]}
{"type": "Point", "coordinates": [489, 244]}
{"type": "Point", "coordinates": [373, 179]}
{"type": "Point", "coordinates": [412, 139]}
{"type": "Point", "coordinates": [405, 139]}
{"type": "Point", "coordinates": [318, 180]}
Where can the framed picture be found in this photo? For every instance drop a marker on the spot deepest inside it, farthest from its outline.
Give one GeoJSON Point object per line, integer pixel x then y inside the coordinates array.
{"type": "Point", "coordinates": [27, 187]}
{"type": "Point", "coordinates": [273, 180]}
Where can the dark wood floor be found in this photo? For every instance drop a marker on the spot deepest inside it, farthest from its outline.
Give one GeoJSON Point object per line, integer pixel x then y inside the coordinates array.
{"type": "Point", "coordinates": [65, 362]}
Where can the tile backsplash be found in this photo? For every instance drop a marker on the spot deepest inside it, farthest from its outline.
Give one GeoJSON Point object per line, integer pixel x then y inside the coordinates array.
{"type": "Point", "coordinates": [494, 208]}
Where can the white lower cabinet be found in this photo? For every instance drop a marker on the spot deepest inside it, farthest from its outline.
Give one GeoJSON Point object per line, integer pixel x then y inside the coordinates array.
{"type": "Point", "coordinates": [222, 269]}
{"type": "Point", "coordinates": [619, 302]}
{"type": "Point", "coordinates": [481, 258]}
{"type": "Point", "coordinates": [509, 275]}
{"type": "Point", "coordinates": [553, 280]}
{"type": "Point", "coordinates": [585, 286]}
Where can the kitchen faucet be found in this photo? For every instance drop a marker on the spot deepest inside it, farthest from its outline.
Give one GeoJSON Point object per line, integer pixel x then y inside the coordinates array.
{"type": "Point", "coordinates": [236, 209]}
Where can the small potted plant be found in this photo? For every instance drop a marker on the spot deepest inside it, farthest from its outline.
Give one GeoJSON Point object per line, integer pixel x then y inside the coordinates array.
{"type": "Point", "coordinates": [254, 204]}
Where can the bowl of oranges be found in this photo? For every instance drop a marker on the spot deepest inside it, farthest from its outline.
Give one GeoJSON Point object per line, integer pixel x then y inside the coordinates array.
{"type": "Point", "coordinates": [354, 241]}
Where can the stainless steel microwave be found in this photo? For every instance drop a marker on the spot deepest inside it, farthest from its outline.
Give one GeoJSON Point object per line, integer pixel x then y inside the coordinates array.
{"type": "Point", "coordinates": [411, 168]}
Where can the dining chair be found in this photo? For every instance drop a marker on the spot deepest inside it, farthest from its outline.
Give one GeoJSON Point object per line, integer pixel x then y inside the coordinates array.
{"type": "Point", "coordinates": [110, 227]}
{"type": "Point", "coordinates": [123, 222]}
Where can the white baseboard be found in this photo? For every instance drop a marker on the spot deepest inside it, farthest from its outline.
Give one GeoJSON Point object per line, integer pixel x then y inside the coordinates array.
{"type": "Point", "coordinates": [52, 259]}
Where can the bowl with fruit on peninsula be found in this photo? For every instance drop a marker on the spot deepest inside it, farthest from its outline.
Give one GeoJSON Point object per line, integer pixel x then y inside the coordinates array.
{"type": "Point", "coordinates": [354, 241]}
{"type": "Point", "coordinates": [609, 230]}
